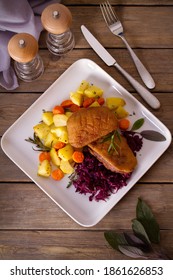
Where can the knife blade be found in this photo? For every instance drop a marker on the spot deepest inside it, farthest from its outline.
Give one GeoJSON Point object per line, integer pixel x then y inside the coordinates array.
{"type": "Point", "coordinates": [110, 61]}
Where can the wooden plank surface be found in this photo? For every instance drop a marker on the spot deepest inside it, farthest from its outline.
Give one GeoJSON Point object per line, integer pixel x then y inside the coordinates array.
{"type": "Point", "coordinates": [120, 2]}
{"type": "Point", "coordinates": [25, 206]}
{"type": "Point", "coordinates": [21, 102]}
{"type": "Point", "coordinates": [141, 26]}
{"type": "Point", "coordinates": [32, 226]}
{"type": "Point", "coordinates": [158, 61]}
{"type": "Point", "coordinates": [64, 245]}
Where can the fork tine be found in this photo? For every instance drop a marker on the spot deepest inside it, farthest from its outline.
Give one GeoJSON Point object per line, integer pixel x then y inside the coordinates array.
{"type": "Point", "coordinates": [112, 12]}
{"type": "Point", "coordinates": [108, 13]}
{"type": "Point", "coordinates": [104, 13]}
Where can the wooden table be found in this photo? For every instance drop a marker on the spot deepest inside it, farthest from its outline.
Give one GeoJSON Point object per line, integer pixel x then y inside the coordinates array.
{"type": "Point", "coordinates": [32, 226]}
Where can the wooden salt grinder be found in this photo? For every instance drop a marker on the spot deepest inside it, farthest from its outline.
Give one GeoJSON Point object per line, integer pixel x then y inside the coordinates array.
{"type": "Point", "coordinates": [23, 48]}
{"type": "Point", "coordinates": [57, 19]}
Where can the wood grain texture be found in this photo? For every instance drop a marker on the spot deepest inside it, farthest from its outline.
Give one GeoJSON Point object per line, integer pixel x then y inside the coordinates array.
{"type": "Point", "coordinates": [142, 28]}
{"type": "Point", "coordinates": [32, 226]}
{"type": "Point", "coordinates": [120, 2]}
{"type": "Point", "coordinates": [18, 103]}
{"type": "Point", "coordinates": [25, 206]}
{"type": "Point", "coordinates": [66, 245]}
{"type": "Point", "coordinates": [158, 62]}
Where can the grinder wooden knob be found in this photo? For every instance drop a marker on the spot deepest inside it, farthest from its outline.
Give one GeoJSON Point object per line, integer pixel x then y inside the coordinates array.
{"type": "Point", "coordinates": [23, 47]}
{"type": "Point", "coordinates": [56, 18]}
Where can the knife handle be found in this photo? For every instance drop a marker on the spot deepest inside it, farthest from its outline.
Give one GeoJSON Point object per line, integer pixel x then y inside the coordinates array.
{"type": "Point", "coordinates": [143, 72]}
{"type": "Point", "coordinates": [143, 92]}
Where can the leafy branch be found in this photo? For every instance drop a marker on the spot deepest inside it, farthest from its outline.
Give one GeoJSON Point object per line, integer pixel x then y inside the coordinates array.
{"type": "Point", "coordinates": [113, 146]}
{"type": "Point", "coordinates": [143, 241]}
{"type": "Point", "coordinates": [151, 135]}
{"type": "Point", "coordinates": [38, 143]}
{"type": "Point", "coordinates": [147, 134]}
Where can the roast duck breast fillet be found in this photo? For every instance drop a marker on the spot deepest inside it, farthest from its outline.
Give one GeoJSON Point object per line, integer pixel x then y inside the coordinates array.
{"type": "Point", "coordinates": [121, 160]}
{"type": "Point", "coordinates": [88, 126]}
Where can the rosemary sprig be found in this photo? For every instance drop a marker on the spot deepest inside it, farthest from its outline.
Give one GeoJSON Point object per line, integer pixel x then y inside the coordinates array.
{"type": "Point", "coordinates": [113, 147]}
{"type": "Point", "coordinates": [38, 143]}
{"type": "Point", "coordinates": [105, 138]}
{"type": "Point", "coordinates": [72, 177]}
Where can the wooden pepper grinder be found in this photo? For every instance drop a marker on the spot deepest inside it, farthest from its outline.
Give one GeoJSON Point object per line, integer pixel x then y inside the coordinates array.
{"type": "Point", "coordinates": [23, 48]}
{"type": "Point", "coordinates": [57, 19]}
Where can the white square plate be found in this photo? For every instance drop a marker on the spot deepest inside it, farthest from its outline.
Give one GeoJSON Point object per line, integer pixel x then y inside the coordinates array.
{"type": "Point", "coordinates": [78, 206]}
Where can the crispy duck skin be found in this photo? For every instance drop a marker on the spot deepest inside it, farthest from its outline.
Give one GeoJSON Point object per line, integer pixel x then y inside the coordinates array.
{"type": "Point", "coordinates": [121, 160]}
{"type": "Point", "coordinates": [89, 124]}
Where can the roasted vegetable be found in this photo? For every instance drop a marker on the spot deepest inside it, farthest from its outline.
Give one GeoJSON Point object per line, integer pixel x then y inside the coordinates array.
{"type": "Point", "coordinates": [44, 168]}
{"type": "Point", "coordinates": [114, 102]}
{"type": "Point", "coordinates": [66, 152]}
{"type": "Point", "coordinates": [61, 133]}
{"type": "Point", "coordinates": [76, 98]}
{"type": "Point", "coordinates": [66, 167]}
{"type": "Point", "coordinates": [121, 113]}
{"type": "Point", "coordinates": [51, 140]}
{"type": "Point", "coordinates": [83, 86]}
{"type": "Point", "coordinates": [54, 157]}
{"type": "Point", "coordinates": [47, 118]}
{"type": "Point", "coordinates": [60, 120]}
{"type": "Point", "coordinates": [41, 130]}
{"type": "Point", "coordinates": [93, 91]}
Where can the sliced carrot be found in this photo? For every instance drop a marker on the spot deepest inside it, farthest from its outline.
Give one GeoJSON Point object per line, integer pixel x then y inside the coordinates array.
{"type": "Point", "coordinates": [88, 101]}
{"type": "Point", "coordinates": [57, 174]}
{"type": "Point", "coordinates": [78, 157]}
{"type": "Point", "coordinates": [124, 124]}
{"type": "Point", "coordinates": [74, 108]}
{"type": "Point", "coordinates": [67, 103]}
{"type": "Point", "coordinates": [58, 110]}
{"type": "Point", "coordinates": [59, 145]}
{"type": "Point", "coordinates": [44, 155]}
{"type": "Point", "coordinates": [101, 100]}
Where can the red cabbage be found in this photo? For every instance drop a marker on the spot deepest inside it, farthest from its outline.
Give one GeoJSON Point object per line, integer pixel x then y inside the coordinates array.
{"type": "Point", "coordinates": [134, 140]}
{"type": "Point", "coordinates": [93, 178]}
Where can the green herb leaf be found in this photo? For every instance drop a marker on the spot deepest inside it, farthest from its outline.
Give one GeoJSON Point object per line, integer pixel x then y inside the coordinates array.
{"type": "Point", "coordinates": [138, 245]}
{"type": "Point", "coordinates": [137, 124]}
{"type": "Point", "coordinates": [38, 143]}
{"type": "Point", "coordinates": [114, 147]}
{"type": "Point", "coordinates": [133, 240]}
{"type": "Point", "coordinates": [153, 135]}
{"type": "Point", "coordinates": [139, 231]}
{"type": "Point", "coordinates": [118, 135]}
{"type": "Point", "coordinates": [147, 219]}
{"type": "Point", "coordinates": [72, 177]}
{"type": "Point", "coordinates": [105, 138]}
{"type": "Point", "coordinates": [115, 239]}
{"type": "Point", "coordinates": [132, 251]}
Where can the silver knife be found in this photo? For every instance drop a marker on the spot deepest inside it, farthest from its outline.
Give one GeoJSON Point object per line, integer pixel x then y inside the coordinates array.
{"type": "Point", "coordinates": [110, 61]}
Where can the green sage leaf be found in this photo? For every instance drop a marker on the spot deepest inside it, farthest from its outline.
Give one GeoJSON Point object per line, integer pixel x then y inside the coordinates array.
{"type": "Point", "coordinates": [135, 241]}
{"type": "Point", "coordinates": [115, 239]}
{"type": "Point", "coordinates": [137, 124]}
{"type": "Point", "coordinates": [132, 251]}
{"type": "Point", "coordinates": [145, 216]}
{"type": "Point", "coordinates": [153, 135]}
{"type": "Point", "coordinates": [139, 231]}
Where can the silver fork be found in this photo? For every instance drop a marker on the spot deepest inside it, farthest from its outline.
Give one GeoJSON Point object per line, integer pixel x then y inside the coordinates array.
{"type": "Point", "coordinates": [116, 28]}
